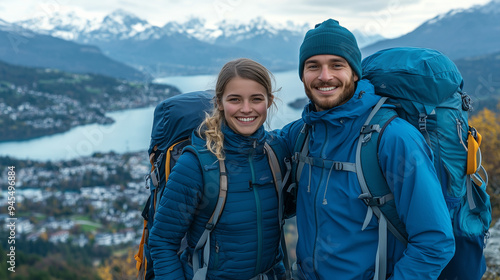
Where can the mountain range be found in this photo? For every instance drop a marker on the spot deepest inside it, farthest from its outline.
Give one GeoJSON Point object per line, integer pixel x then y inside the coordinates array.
{"type": "Point", "coordinates": [26, 48]}
{"type": "Point", "coordinates": [458, 34]}
{"type": "Point", "coordinates": [192, 47]}
{"type": "Point", "coordinates": [125, 46]}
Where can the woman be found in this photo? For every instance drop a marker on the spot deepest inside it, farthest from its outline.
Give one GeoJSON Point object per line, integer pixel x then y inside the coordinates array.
{"type": "Point", "coordinates": [245, 242]}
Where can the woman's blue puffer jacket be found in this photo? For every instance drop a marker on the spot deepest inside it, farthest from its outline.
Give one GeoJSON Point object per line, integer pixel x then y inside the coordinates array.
{"type": "Point", "coordinates": [246, 240]}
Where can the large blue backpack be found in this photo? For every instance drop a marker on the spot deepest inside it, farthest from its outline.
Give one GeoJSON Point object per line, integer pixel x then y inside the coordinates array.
{"type": "Point", "coordinates": [424, 87]}
{"type": "Point", "coordinates": [175, 120]}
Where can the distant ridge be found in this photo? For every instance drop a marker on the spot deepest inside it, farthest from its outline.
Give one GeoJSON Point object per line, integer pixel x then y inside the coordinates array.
{"type": "Point", "coordinates": [458, 34]}
{"type": "Point", "coordinates": [481, 80]}
{"type": "Point", "coordinates": [19, 46]}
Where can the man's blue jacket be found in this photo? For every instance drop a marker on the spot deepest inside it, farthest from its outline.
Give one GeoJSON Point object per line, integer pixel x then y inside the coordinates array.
{"type": "Point", "coordinates": [330, 215]}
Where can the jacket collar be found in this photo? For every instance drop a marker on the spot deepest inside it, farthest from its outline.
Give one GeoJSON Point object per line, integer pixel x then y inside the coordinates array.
{"type": "Point", "coordinates": [234, 142]}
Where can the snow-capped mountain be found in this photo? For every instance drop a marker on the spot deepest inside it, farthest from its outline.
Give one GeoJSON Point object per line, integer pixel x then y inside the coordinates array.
{"type": "Point", "coordinates": [194, 28]}
{"type": "Point", "coordinates": [258, 27]}
{"type": "Point", "coordinates": [175, 48]}
{"type": "Point", "coordinates": [122, 25]}
{"type": "Point", "coordinates": [118, 25]}
{"type": "Point", "coordinates": [458, 33]}
{"type": "Point", "coordinates": [64, 26]}
{"type": "Point", "coordinates": [4, 24]}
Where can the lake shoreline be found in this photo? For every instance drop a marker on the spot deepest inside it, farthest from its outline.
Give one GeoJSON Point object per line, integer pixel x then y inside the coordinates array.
{"type": "Point", "coordinates": [130, 129]}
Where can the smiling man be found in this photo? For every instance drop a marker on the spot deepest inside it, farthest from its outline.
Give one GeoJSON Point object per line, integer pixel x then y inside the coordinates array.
{"type": "Point", "coordinates": [328, 81]}
{"type": "Point", "coordinates": [334, 242]}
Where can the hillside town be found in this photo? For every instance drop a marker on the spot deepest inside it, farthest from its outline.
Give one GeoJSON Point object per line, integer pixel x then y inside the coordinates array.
{"type": "Point", "coordinates": [95, 200]}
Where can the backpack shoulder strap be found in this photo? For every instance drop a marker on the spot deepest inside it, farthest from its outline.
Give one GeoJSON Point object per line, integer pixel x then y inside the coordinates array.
{"type": "Point", "coordinates": [278, 162]}
{"type": "Point", "coordinates": [301, 148]}
{"type": "Point", "coordinates": [214, 182]}
{"type": "Point", "coordinates": [276, 155]}
{"type": "Point", "coordinates": [214, 179]}
{"type": "Point", "coordinates": [375, 191]}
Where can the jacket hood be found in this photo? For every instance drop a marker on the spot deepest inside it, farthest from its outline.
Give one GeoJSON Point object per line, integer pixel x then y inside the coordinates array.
{"type": "Point", "coordinates": [363, 97]}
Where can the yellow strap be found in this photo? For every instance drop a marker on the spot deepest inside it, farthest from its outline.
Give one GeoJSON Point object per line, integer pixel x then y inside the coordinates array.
{"type": "Point", "coordinates": [139, 257]}
{"type": "Point", "coordinates": [167, 160]}
{"type": "Point", "coordinates": [472, 149]}
{"type": "Point", "coordinates": [141, 261]}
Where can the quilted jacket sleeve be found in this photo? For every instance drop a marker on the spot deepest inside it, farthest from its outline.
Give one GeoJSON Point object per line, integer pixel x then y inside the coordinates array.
{"type": "Point", "coordinates": [407, 162]}
{"type": "Point", "coordinates": [174, 215]}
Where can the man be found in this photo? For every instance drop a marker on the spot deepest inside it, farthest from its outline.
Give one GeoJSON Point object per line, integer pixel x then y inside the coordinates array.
{"type": "Point", "coordinates": [330, 216]}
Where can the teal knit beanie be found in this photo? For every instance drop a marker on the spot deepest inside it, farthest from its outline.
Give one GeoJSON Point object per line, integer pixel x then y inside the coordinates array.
{"type": "Point", "coordinates": [330, 38]}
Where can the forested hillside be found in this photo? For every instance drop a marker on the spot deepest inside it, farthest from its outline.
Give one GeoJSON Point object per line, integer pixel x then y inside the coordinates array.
{"type": "Point", "coordinates": [39, 101]}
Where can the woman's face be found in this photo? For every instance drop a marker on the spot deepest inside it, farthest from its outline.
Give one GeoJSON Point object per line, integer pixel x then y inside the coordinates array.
{"type": "Point", "coordinates": [244, 104]}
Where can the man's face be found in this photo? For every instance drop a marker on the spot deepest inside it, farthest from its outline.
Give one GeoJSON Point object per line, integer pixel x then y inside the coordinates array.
{"type": "Point", "coordinates": [328, 81]}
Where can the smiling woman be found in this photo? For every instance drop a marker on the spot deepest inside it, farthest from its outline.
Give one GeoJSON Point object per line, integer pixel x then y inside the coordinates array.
{"type": "Point", "coordinates": [243, 93]}
{"type": "Point", "coordinates": [245, 243]}
{"type": "Point", "coordinates": [244, 104]}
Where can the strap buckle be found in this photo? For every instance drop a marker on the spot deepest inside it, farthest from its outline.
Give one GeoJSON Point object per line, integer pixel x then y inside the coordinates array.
{"type": "Point", "coordinates": [210, 226]}
{"type": "Point", "coordinates": [370, 200]}
{"type": "Point", "coordinates": [338, 166]}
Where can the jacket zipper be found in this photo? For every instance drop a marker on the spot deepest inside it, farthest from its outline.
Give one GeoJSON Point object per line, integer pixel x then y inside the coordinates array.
{"type": "Point", "coordinates": [216, 259]}
{"type": "Point", "coordinates": [259, 213]}
{"type": "Point", "coordinates": [315, 204]}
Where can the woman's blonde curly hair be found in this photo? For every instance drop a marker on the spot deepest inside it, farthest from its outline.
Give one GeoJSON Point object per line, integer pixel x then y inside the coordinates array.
{"type": "Point", "coordinates": [243, 68]}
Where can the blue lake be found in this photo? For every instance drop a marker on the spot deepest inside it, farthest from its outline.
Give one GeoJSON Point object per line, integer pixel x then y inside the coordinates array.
{"type": "Point", "coordinates": [132, 128]}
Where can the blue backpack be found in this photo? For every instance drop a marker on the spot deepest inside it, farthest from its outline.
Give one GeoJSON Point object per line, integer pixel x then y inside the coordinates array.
{"type": "Point", "coordinates": [175, 120]}
{"type": "Point", "coordinates": [424, 88]}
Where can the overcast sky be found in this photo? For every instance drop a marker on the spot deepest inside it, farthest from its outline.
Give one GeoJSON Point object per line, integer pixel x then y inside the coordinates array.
{"type": "Point", "coordinates": [390, 18]}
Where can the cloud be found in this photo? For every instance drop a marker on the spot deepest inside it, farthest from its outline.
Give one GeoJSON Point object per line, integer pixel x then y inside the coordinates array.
{"type": "Point", "coordinates": [354, 6]}
{"type": "Point", "coordinates": [387, 17]}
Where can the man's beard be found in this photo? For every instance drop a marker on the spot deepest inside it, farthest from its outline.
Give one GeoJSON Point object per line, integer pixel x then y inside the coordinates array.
{"type": "Point", "coordinates": [325, 103]}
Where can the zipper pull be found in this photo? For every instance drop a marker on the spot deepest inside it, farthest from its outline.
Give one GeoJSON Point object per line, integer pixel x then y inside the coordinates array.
{"type": "Point", "coordinates": [250, 186]}
{"type": "Point", "coordinates": [217, 247]}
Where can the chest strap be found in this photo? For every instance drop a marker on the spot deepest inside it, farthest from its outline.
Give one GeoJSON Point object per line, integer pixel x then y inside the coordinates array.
{"type": "Point", "coordinates": [325, 163]}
